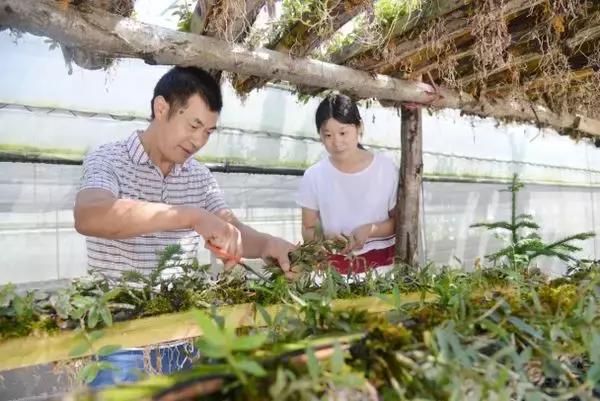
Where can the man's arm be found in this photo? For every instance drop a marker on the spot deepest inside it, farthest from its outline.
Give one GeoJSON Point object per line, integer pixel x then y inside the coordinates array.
{"type": "Point", "coordinates": [99, 213]}
{"type": "Point", "coordinates": [261, 245]}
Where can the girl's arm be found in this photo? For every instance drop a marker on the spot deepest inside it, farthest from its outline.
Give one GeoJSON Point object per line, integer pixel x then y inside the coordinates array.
{"type": "Point", "coordinates": [310, 219]}
{"type": "Point", "coordinates": [384, 228]}
{"type": "Point", "coordinates": [361, 234]}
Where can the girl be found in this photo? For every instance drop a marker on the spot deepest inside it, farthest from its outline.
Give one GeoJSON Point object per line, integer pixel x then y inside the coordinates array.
{"type": "Point", "coordinates": [350, 192]}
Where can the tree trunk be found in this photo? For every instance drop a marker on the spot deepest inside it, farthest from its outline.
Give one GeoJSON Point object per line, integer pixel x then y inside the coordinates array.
{"type": "Point", "coordinates": [409, 187]}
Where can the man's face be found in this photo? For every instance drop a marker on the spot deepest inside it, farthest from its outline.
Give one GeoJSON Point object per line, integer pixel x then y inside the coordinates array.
{"type": "Point", "coordinates": [187, 130]}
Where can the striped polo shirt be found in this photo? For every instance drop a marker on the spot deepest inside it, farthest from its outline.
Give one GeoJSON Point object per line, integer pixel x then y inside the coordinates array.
{"type": "Point", "coordinates": [125, 169]}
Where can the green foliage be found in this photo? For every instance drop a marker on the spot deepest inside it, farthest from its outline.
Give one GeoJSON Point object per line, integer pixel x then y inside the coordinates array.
{"type": "Point", "coordinates": [388, 13]}
{"type": "Point", "coordinates": [389, 16]}
{"type": "Point", "coordinates": [224, 345]}
{"type": "Point", "coordinates": [184, 15]}
{"type": "Point", "coordinates": [524, 244]}
{"type": "Point", "coordinates": [496, 333]}
{"type": "Point", "coordinates": [486, 336]}
{"type": "Point", "coordinates": [341, 40]}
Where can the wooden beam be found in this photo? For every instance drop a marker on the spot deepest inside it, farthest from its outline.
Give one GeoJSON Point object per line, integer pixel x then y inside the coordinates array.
{"type": "Point", "coordinates": [586, 124]}
{"type": "Point", "coordinates": [123, 37]}
{"type": "Point", "coordinates": [409, 186]}
{"type": "Point", "coordinates": [33, 350]}
{"type": "Point", "coordinates": [431, 10]}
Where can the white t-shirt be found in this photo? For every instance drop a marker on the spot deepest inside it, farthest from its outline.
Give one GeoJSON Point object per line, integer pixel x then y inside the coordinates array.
{"type": "Point", "coordinates": [346, 201]}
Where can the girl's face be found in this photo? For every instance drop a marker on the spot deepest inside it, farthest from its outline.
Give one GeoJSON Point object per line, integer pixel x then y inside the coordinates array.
{"type": "Point", "coordinates": [339, 138]}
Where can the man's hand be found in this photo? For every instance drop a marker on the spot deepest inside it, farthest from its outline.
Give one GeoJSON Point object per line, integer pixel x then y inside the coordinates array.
{"type": "Point", "coordinates": [278, 249]}
{"type": "Point", "coordinates": [222, 235]}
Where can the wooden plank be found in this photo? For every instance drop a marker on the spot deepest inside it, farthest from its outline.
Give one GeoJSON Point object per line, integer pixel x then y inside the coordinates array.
{"type": "Point", "coordinates": [431, 10]}
{"type": "Point", "coordinates": [519, 39]}
{"type": "Point", "coordinates": [518, 61]}
{"type": "Point", "coordinates": [32, 350]}
{"type": "Point", "coordinates": [434, 66]}
{"type": "Point", "coordinates": [586, 124]}
{"type": "Point", "coordinates": [457, 26]}
{"type": "Point", "coordinates": [539, 82]}
{"type": "Point", "coordinates": [583, 36]}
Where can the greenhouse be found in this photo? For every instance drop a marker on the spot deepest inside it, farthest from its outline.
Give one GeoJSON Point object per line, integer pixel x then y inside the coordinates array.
{"type": "Point", "coordinates": [175, 226]}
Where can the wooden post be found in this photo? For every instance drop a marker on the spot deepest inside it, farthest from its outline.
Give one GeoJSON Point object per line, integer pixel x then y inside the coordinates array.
{"type": "Point", "coordinates": [409, 186]}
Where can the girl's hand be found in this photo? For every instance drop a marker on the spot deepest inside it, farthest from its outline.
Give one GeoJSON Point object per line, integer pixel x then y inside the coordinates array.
{"type": "Point", "coordinates": [358, 237]}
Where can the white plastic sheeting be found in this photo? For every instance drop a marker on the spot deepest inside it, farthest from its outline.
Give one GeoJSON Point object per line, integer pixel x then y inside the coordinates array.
{"type": "Point", "coordinates": [269, 127]}
{"type": "Point", "coordinates": [39, 243]}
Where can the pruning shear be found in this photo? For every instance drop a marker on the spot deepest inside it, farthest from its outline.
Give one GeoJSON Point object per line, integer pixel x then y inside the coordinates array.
{"type": "Point", "coordinates": [221, 253]}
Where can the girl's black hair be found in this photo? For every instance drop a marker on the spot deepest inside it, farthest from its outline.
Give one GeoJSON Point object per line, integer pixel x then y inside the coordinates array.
{"type": "Point", "coordinates": [341, 108]}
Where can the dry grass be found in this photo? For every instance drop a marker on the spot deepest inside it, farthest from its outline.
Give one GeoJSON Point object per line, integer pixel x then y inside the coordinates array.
{"type": "Point", "coordinates": [442, 52]}
{"type": "Point", "coordinates": [492, 38]}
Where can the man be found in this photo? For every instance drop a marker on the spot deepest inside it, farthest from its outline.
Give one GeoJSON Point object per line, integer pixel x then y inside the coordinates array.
{"type": "Point", "coordinates": [139, 195]}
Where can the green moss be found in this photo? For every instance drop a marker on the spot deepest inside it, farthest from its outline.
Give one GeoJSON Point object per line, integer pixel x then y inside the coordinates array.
{"type": "Point", "coordinates": [548, 180]}
{"type": "Point", "coordinates": [386, 336]}
{"type": "Point", "coordinates": [27, 150]}
{"type": "Point", "coordinates": [27, 324]}
{"type": "Point", "coordinates": [20, 327]}
{"type": "Point", "coordinates": [240, 161]}
{"type": "Point", "coordinates": [157, 306]}
{"type": "Point", "coordinates": [185, 24]}
{"type": "Point", "coordinates": [428, 315]}
{"type": "Point", "coordinates": [559, 299]}
{"type": "Point", "coordinates": [182, 299]}
{"type": "Point", "coordinates": [389, 12]}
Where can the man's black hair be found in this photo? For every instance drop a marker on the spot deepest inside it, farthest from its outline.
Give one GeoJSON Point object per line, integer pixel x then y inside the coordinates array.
{"type": "Point", "coordinates": [181, 83]}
